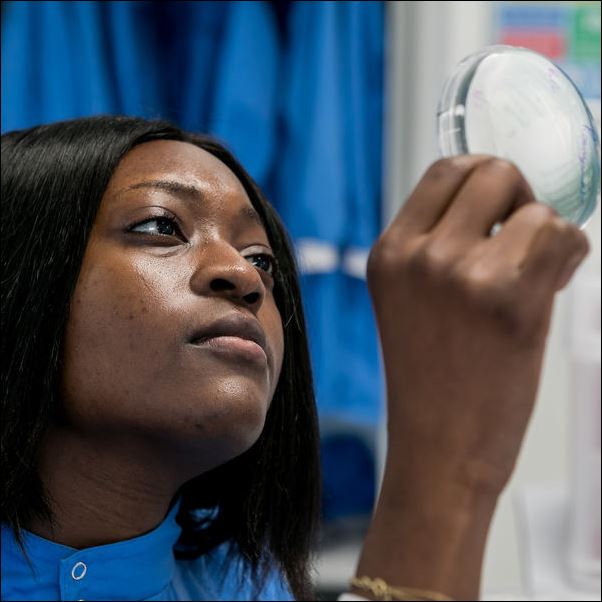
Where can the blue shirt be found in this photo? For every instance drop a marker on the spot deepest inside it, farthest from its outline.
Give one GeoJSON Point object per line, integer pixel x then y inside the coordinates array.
{"type": "Point", "coordinates": [142, 568]}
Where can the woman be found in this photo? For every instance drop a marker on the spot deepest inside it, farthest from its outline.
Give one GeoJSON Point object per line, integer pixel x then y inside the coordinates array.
{"type": "Point", "coordinates": [156, 382]}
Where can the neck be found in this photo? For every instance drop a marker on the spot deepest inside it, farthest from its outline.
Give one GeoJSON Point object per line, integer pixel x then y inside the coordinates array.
{"type": "Point", "coordinates": [101, 493]}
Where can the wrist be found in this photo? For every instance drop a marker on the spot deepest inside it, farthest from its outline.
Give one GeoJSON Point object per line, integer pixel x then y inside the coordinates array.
{"type": "Point", "coordinates": [431, 536]}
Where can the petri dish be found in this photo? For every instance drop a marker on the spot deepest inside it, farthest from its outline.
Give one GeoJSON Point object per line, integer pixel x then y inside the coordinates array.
{"type": "Point", "coordinates": [516, 104]}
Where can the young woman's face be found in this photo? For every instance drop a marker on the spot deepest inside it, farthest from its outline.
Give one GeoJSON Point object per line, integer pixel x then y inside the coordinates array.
{"type": "Point", "coordinates": [173, 336]}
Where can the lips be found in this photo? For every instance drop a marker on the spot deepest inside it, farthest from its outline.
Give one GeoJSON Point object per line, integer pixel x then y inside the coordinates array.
{"type": "Point", "coordinates": [233, 325]}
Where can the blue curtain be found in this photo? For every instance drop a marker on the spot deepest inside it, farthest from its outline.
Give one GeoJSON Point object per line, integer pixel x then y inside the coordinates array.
{"type": "Point", "coordinates": [329, 191]}
{"type": "Point", "coordinates": [197, 63]}
{"type": "Point", "coordinates": [295, 89]}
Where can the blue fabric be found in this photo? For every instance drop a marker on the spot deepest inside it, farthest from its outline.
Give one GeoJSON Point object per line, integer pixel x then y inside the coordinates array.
{"type": "Point", "coordinates": [330, 172]}
{"type": "Point", "coordinates": [66, 60]}
{"type": "Point", "coordinates": [245, 92]}
{"type": "Point", "coordinates": [209, 66]}
{"type": "Point", "coordinates": [350, 466]}
{"type": "Point", "coordinates": [58, 63]}
{"type": "Point", "coordinates": [357, 370]}
{"type": "Point", "coordinates": [311, 196]}
{"type": "Point", "coordinates": [297, 94]}
{"type": "Point", "coordinates": [329, 189]}
{"type": "Point", "coordinates": [143, 568]}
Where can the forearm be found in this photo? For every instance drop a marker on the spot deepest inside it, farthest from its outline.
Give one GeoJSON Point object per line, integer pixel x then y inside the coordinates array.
{"type": "Point", "coordinates": [463, 318]}
{"type": "Point", "coordinates": [428, 533]}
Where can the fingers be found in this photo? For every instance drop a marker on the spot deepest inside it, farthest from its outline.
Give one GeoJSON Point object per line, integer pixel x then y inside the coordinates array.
{"type": "Point", "coordinates": [554, 254]}
{"type": "Point", "coordinates": [435, 192]}
{"type": "Point", "coordinates": [542, 247]}
{"type": "Point", "coordinates": [493, 191]}
{"type": "Point", "coordinates": [458, 202]}
{"type": "Point", "coordinates": [511, 244]}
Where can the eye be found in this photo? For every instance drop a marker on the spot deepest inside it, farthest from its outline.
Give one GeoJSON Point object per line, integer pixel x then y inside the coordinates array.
{"type": "Point", "coordinates": [264, 262]}
{"type": "Point", "coordinates": [158, 226]}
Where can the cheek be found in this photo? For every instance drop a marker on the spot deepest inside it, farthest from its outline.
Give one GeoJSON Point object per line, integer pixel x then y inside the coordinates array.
{"type": "Point", "coordinates": [272, 324]}
{"type": "Point", "coordinates": [127, 367]}
{"type": "Point", "coordinates": [114, 342]}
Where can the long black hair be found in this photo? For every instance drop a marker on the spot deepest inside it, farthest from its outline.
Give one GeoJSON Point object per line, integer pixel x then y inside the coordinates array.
{"type": "Point", "coordinates": [265, 501]}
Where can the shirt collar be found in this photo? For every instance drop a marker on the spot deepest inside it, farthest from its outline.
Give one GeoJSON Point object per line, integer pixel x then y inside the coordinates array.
{"type": "Point", "coordinates": [136, 568]}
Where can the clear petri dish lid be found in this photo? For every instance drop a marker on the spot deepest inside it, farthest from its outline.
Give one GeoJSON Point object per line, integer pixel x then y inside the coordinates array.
{"type": "Point", "coordinates": [516, 104]}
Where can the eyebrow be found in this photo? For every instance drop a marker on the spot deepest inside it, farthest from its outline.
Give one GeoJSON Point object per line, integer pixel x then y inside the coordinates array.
{"type": "Point", "coordinates": [190, 192]}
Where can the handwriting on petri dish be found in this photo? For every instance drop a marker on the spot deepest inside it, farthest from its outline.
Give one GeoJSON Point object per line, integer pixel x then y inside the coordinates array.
{"type": "Point", "coordinates": [584, 164]}
{"type": "Point", "coordinates": [553, 76]}
{"type": "Point", "coordinates": [479, 100]}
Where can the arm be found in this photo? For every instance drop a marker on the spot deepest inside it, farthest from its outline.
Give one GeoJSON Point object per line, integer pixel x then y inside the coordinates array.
{"type": "Point", "coordinates": [427, 536]}
{"type": "Point", "coordinates": [463, 318]}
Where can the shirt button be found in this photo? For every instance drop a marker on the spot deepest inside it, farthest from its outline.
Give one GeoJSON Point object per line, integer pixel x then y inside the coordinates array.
{"type": "Point", "coordinates": [78, 571]}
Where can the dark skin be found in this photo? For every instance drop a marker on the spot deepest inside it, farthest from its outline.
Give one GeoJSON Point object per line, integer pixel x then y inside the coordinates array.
{"type": "Point", "coordinates": [463, 318]}
{"type": "Point", "coordinates": [145, 410]}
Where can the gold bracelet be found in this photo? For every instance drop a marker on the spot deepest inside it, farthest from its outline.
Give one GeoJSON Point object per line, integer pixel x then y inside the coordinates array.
{"type": "Point", "coordinates": [383, 591]}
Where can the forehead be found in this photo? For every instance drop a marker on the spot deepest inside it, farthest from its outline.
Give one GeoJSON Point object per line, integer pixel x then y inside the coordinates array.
{"type": "Point", "coordinates": [181, 161]}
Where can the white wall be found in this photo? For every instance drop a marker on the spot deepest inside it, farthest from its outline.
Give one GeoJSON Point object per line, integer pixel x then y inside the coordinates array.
{"type": "Point", "coordinates": [426, 39]}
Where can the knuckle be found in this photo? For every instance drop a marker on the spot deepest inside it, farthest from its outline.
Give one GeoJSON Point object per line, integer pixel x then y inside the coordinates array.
{"type": "Point", "coordinates": [553, 228]}
{"type": "Point", "coordinates": [537, 214]}
{"type": "Point", "coordinates": [561, 232]}
{"type": "Point", "coordinates": [540, 212]}
{"type": "Point", "coordinates": [386, 256]}
{"type": "Point", "coordinates": [582, 242]}
{"type": "Point", "coordinates": [503, 166]}
{"type": "Point", "coordinates": [480, 284]}
{"type": "Point", "coordinates": [560, 225]}
{"type": "Point", "coordinates": [420, 260]}
{"type": "Point", "coordinates": [439, 168]}
{"type": "Point", "coordinates": [506, 170]}
{"type": "Point", "coordinates": [495, 296]}
{"type": "Point", "coordinates": [376, 259]}
{"type": "Point", "coordinates": [449, 165]}
{"type": "Point", "coordinates": [430, 261]}
{"type": "Point", "coordinates": [576, 239]}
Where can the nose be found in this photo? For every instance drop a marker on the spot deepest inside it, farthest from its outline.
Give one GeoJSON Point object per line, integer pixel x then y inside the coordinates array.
{"type": "Point", "coordinates": [224, 272]}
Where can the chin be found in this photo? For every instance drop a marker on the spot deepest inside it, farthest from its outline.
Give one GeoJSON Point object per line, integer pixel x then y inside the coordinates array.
{"type": "Point", "coordinates": [228, 421]}
{"type": "Point", "coordinates": [245, 426]}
